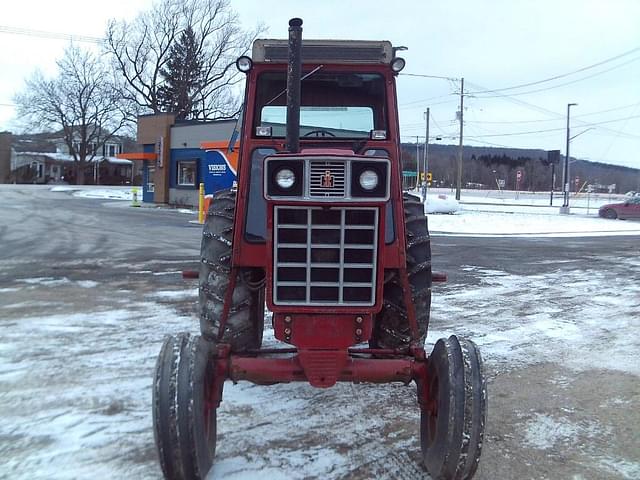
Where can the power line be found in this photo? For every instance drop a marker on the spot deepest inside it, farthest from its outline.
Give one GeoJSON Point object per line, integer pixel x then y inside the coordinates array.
{"type": "Point", "coordinates": [561, 84]}
{"type": "Point", "coordinates": [511, 134]}
{"type": "Point", "coordinates": [52, 35]}
{"type": "Point", "coordinates": [546, 111]}
{"type": "Point", "coordinates": [595, 124]}
{"type": "Point", "coordinates": [430, 76]}
{"type": "Point", "coordinates": [509, 122]}
{"type": "Point", "coordinates": [422, 101]}
{"type": "Point", "coordinates": [620, 132]}
{"type": "Point", "coordinates": [556, 77]}
{"type": "Point", "coordinates": [474, 139]}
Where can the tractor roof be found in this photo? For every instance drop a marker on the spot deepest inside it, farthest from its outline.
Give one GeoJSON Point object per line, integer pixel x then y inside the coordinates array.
{"type": "Point", "coordinates": [330, 51]}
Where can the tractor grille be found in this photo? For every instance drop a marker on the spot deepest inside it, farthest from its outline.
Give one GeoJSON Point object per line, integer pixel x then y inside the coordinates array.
{"type": "Point", "coordinates": [326, 179]}
{"type": "Point", "coordinates": [325, 257]}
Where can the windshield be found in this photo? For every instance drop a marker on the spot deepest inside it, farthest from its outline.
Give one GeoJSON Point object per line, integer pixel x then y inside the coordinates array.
{"type": "Point", "coordinates": [343, 105]}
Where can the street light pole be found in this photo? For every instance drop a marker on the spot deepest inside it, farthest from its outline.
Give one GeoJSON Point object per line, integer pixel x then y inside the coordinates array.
{"type": "Point", "coordinates": [426, 160]}
{"type": "Point", "coordinates": [417, 162]}
{"type": "Point", "coordinates": [566, 179]}
{"type": "Point", "coordinates": [459, 173]}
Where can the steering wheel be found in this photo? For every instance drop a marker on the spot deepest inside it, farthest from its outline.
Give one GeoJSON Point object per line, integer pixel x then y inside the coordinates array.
{"type": "Point", "coordinates": [319, 133]}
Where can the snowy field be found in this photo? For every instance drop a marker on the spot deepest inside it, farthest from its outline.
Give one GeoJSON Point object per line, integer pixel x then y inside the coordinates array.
{"type": "Point", "coordinates": [83, 381]}
{"type": "Point", "coordinates": [507, 213]}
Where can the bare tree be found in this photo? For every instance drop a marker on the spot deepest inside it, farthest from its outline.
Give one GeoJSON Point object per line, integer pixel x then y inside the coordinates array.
{"type": "Point", "coordinates": [80, 103]}
{"type": "Point", "coordinates": [140, 50]}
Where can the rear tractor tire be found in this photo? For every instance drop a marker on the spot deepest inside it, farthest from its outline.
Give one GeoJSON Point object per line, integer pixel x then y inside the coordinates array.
{"type": "Point", "coordinates": [184, 421]}
{"type": "Point", "coordinates": [392, 324]}
{"type": "Point", "coordinates": [245, 323]}
{"type": "Point", "coordinates": [452, 421]}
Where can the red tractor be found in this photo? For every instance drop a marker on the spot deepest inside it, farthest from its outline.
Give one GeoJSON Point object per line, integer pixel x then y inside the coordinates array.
{"type": "Point", "coordinates": [320, 229]}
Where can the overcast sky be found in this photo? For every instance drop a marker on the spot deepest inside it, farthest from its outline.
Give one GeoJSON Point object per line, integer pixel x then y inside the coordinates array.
{"type": "Point", "coordinates": [492, 44]}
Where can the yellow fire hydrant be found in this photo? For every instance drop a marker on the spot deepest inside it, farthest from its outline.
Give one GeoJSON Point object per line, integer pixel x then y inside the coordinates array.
{"type": "Point", "coordinates": [201, 211]}
{"type": "Point", "coordinates": [134, 197]}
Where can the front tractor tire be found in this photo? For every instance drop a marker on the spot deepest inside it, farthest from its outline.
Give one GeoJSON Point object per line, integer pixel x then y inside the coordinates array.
{"type": "Point", "coordinates": [184, 421]}
{"type": "Point", "coordinates": [453, 418]}
{"type": "Point", "coordinates": [392, 324]}
{"type": "Point", "coordinates": [245, 323]}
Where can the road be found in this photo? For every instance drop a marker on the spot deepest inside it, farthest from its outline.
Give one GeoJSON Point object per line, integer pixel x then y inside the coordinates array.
{"type": "Point", "coordinates": [88, 288]}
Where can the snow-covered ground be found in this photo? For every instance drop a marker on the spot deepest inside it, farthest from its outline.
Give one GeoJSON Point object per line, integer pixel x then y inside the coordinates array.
{"type": "Point", "coordinates": [506, 213]}
{"type": "Point", "coordinates": [480, 212]}
{"type": "Point", "coordinates": [104, 192]}
{"type": "Point", "coordinates": [471, 222]}
{"type": "Point", "coordinates": [76, 369]}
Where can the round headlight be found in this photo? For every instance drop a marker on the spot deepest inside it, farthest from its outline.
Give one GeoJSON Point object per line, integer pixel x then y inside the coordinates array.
{"type": "Point", "coordinates": [368, 180]}
{"type": "Point", "coordinates": [397, 64]}
{"type": "Point", "coordinates": [244, 64]}
{"type": "Point", "coordinates": [285, 178]}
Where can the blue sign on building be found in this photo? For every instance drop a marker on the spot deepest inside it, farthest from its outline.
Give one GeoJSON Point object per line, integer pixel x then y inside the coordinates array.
{"type": "Point", "coordinates": [218, 170]}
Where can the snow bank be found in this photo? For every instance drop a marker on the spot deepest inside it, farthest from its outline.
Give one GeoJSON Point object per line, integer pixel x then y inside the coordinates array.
{"type": "Point", "coordinates": [441, 203]}
{"type": "Point", "coordinates": [64, 188]}
{"type": "Point", "coordinates": [467, 222]}
{"type": "Point", "coordinates": [111, 194]}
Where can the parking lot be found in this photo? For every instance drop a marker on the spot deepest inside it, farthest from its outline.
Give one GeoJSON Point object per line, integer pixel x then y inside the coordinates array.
{"type": "Point", "coordinates": [89, 287]}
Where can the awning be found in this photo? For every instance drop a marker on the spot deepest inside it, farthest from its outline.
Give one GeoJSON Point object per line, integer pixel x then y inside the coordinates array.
{"type": "Point", "coordinates": [151, 156]}
{"type": "Point", "coordinates": [217, 145]}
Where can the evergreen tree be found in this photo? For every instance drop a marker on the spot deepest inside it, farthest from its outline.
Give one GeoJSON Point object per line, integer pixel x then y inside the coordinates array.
{"type": "Point", "coordinates": [183, 77]}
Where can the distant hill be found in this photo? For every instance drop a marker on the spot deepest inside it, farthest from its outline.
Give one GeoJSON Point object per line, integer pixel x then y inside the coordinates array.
{"type": "Point", "coordinates": [483, 166]}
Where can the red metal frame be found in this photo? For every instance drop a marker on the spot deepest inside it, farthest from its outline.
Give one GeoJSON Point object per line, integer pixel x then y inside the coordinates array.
{"type": "Point", "coordinates": [322, 335]}
{"type": "Point", "coordinates": [321, 368]}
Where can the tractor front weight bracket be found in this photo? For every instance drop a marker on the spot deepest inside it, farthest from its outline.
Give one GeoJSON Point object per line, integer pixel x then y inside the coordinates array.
{"type": "Point", "coordinates": [320, 368]}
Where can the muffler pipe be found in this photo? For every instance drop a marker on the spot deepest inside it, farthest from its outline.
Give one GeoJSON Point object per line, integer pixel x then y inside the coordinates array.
{"type": "Point", "coordinates": [293, 85]}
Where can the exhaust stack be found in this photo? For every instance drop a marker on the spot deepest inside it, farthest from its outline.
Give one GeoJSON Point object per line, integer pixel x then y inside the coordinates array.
{"type": "Point", "coordinates": [293, 85]}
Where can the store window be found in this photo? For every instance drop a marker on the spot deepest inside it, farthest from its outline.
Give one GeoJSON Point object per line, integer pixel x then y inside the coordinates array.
{"type": "Point", "coordinates": [151, 175]}
{"type": "Point", "coordinates": [187, 173]}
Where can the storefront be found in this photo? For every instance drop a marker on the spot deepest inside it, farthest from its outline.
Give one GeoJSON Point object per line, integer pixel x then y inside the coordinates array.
{"type": "Point", "coordinates": [177, 157]}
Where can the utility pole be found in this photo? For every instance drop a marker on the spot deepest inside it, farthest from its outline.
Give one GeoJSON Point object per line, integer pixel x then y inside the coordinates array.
{"type": "Point", "coordinates": [566, 179]}
{"type": "Point", "coordinates": [425, 185]}
{"type": "Point", "coordinates": [459, 179]}
{"type": "Point", "coordinates": [417, 161]}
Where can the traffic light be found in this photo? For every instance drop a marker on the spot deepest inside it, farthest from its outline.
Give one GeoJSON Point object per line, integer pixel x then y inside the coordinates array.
{"type": "Point", "coordinates": [429, 177]}
{"type": "Point", "coordinates": [553, 157]}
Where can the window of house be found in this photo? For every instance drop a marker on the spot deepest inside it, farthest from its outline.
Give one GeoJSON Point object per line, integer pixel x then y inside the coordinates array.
{"type": "Point", "coordinates": [112, 150]}
{"type": "Point", "coordinates": [187, 173]}
{"type": "Point", "coordinates": [92, 148]}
